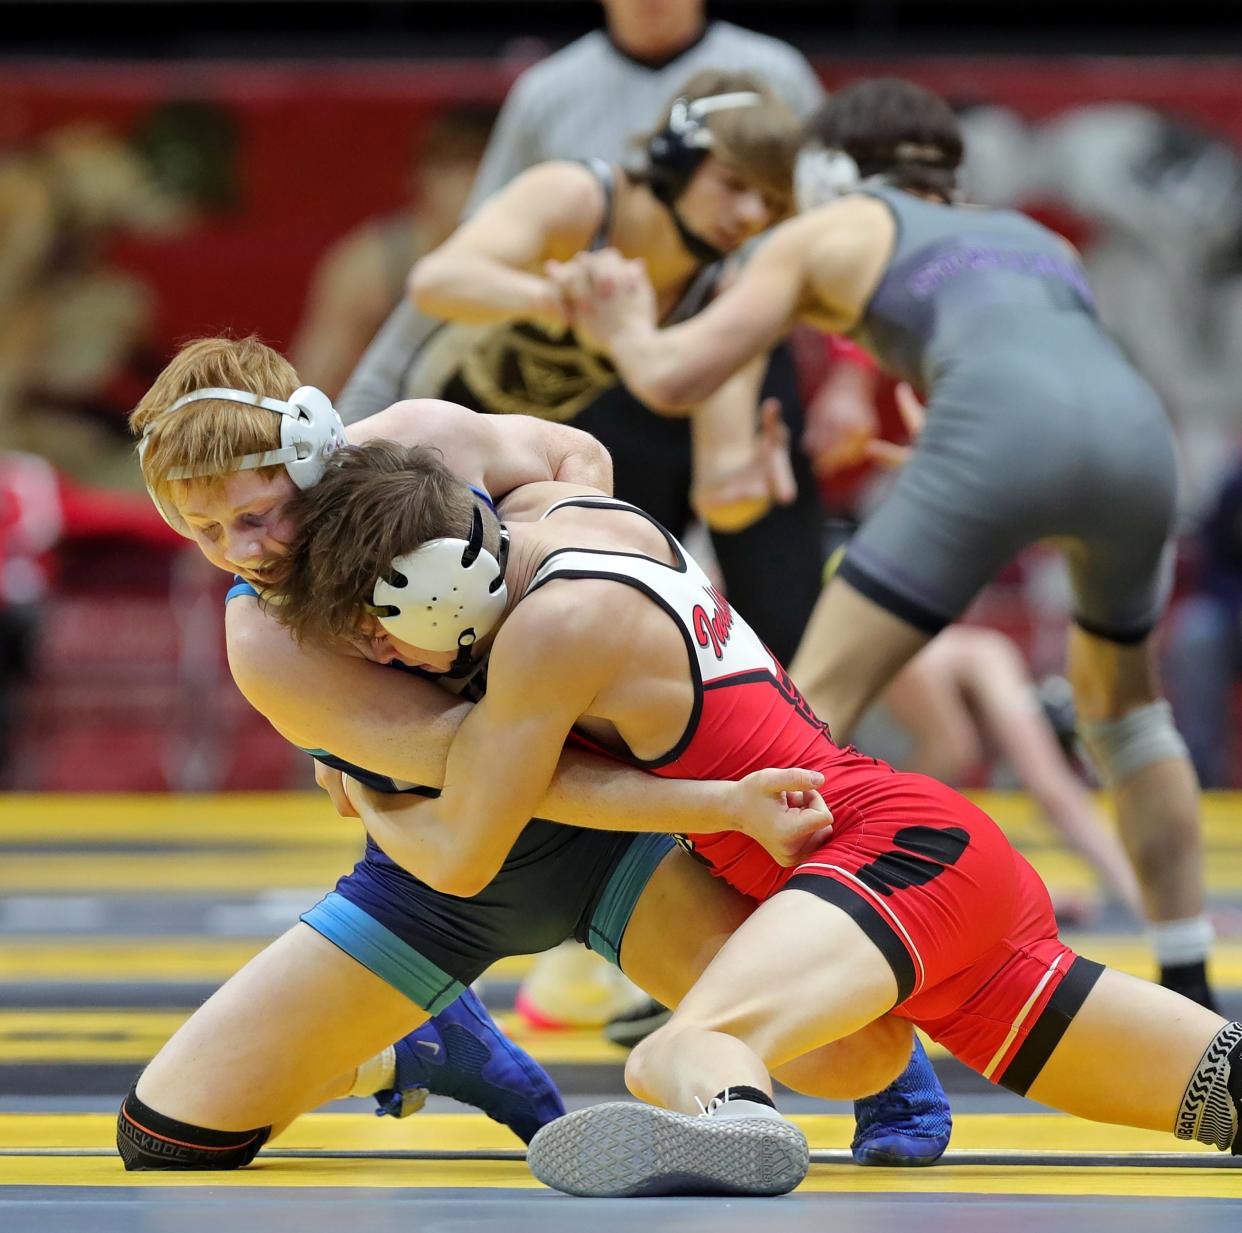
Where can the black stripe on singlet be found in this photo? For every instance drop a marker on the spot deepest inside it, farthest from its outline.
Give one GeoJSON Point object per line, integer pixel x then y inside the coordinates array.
{"type": "Point", "coordinates": [607, 177]}
{"type": "Point", "coordinates": [901, 606]}
{"type": "Point", "coordinates": [868, 919]}
{"type": "Point", "coordinates": [696, 676]}
{"type": "Point", "coordinates": [1043, 1038]}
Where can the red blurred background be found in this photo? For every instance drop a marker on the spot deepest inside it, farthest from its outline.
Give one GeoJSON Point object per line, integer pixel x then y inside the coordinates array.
{"type": "Point", "coordinates": [138, 701]}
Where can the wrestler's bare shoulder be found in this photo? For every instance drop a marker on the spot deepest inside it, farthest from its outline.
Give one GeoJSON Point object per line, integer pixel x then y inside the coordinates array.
{"type": "Point", "coordinates": [573, 621]}
{"type": "Point", "coordinates": [412, 421]}
{"type": "Point", "coordinates": [531, 501]}
{"type": "Point", "coordinates": [257, 644]}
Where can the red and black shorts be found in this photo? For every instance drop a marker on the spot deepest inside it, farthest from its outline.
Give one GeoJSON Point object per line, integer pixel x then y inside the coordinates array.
{"type": "Point", "coordinates": [962, 919]}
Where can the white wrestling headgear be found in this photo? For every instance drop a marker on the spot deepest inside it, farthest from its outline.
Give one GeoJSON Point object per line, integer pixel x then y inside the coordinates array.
{"type": "Point", "coordinates": [446, 594]}
{"type": "Point", "coordinates": [686, 116]}
{"type": "Point", "coordinates": [820, 175]}
{"type": "Point", "coordinates": [310, 429]}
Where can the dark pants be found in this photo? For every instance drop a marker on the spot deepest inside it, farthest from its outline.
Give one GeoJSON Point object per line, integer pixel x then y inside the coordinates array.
{"type": "Point", "coordinates": [772, 570]}
{"type": "Point", "coordinates": [18, 634]}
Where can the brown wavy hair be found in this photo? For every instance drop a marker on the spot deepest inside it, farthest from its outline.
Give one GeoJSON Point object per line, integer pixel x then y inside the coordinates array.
{"type": "Point", "coordinates": [893, 128]}
{"type": "Point", "coordinates": [375, 502]}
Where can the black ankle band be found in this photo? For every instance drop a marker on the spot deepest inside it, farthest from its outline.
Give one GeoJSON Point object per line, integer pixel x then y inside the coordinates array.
{"type": "Point", "coordinates": [743, 1092]}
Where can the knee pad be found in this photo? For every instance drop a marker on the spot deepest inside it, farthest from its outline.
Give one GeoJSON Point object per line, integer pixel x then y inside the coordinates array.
{"type": "Point", "coordinates": [149, 1140]}
{"type": "Point", "coordinates": [1120, 747]}
{"type": "Point", "coordinates": [1211, 1105]}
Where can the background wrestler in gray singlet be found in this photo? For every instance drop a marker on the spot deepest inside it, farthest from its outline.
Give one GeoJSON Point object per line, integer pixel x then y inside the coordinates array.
{"type": "Point", "coordinates": [1038, 427]}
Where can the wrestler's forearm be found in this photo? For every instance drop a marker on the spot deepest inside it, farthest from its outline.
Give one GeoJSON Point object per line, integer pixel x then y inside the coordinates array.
{"type": "Point", "coordinates": [459, 854]}
{"type": "Point", "coordinates": [586, 790]}
{"type": "Point", "coordinates": [405, 729]}
{"type": "Point", "coordinates": [666, 369]}
{"type": "Point", "coordinates": [471, 288]}
{"type": "Point", "coordinates": [457, 847]}
{"type": "Point", "coordinates": [416, 835]}
{"type": "Point", "coordinates": [600, 794]}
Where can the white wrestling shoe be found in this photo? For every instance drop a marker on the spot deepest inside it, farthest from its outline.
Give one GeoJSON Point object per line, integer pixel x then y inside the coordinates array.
{"type": "Point", "coordinates": [622, 1150]}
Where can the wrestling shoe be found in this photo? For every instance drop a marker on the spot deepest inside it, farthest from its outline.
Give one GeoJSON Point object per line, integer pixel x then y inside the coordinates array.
{"type": "Point", "coordinates": [463, 1054]}
{"type": "Point", "coordinates": [637, 1023]}
{"type": "Point", "coordinates": [623, 1150]}
{"type": "Point", "coordinates": [907, 1124]}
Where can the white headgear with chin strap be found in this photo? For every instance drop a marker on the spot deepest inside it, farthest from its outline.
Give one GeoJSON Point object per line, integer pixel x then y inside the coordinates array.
{"type": "Point", "coordinates": [686, 115]}
{"type": "Point", "coordinates": [446, 594]}
{"type": "Point", "coordinates": [310, 429]}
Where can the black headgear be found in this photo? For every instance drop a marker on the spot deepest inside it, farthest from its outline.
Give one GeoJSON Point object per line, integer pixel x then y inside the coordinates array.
{"type": "Point", "coordinates": [675, 152]}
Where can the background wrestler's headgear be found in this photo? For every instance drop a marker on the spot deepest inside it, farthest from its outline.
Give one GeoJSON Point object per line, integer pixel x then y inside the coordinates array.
{"type": "Point", "coordinates": [883, 130]}
{"type": "Point", "coordinates": [310, 429]}
{"type": "Point", "coordinates": [675, 151]}
{"type": "Point", "coordinates": [732, 115]}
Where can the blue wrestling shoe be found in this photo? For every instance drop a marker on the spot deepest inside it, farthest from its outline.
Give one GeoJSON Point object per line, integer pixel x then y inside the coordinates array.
{"type": "Point", "coordinates": [907, 1124]}
{"type": "Point", "coordinates": [463, 1054]}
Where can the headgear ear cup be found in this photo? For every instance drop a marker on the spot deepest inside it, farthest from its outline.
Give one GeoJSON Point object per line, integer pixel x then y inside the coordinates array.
{"type": "Point", "coordinates": [820, 175]}
{"type": "Point", "coordinates": [446, 594]}
{"type": "Point", "coordinates": [310, 429]}
{"type": "Point", "coordinates": [314, 432]}
{"type": "Point", "coordinates": [675, 152]}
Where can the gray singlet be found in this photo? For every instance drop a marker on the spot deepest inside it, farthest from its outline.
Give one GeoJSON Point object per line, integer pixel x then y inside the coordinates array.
{"type": "Point", "coordinates": [1038, 427]}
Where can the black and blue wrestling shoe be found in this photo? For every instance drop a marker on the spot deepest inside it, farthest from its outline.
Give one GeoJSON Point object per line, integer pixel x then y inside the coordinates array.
{"type": "Point", "coordinates": [463, 1054]}
{"type": "Point", "coordinates": [907, 1124]}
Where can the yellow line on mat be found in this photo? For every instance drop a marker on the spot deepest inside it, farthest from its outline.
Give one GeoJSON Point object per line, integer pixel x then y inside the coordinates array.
{"type": "Point", "coordinates": [199, 959]}
{"type": "Point", "coordinates": [352, 1132]}
{"type": "Point", "coordinates": [280, 818]}
{"type": "Point", "coordinates": [1030, 1132]}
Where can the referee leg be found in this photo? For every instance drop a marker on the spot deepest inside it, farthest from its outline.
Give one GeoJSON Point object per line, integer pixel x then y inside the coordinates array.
{"type": "Point", "coordinates": [773, 568]}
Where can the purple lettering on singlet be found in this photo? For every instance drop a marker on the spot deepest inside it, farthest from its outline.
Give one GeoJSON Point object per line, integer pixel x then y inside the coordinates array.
{"type": "Point", "coordinates": [931, 275]}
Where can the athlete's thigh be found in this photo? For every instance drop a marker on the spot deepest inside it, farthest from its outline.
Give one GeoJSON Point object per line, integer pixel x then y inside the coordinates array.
{"type": "Point", "coordinates": [852, 649]}
{"type": "Point", "coordinates": [1127, 1054]}
{"type": "Point", "coordinates": [1111, 678]}
{"type": "Point", "coordinates": [679, 925]}
{"type": "Point", "coordinates": [1119, 529]}
{"type": "Point", "coordinates": [798, 974]}
{"type": "Point", "coordinates": [683, 918]}
{"type": "Point", "coordinates": [300, 1014]}
{"type": "Point", "coordinates": [938, 537]}
{"type": "Point", "coordinates": [860, 1064]}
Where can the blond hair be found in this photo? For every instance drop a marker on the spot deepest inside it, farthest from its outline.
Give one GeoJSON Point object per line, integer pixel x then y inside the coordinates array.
{"type": "Point", "coordinates": [206, 435]}
{"type": "Point", "coordinates": [760, 143]}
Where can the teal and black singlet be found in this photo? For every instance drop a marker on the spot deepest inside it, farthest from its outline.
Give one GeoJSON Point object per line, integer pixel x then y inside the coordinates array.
{"type": "Point", "coordinates": [1038, 427]}
{"type": "Point", "coordinates": [557, 882]}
